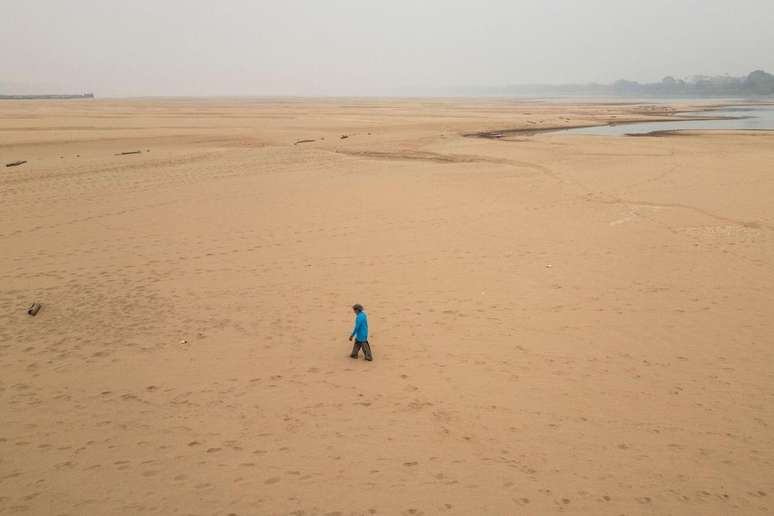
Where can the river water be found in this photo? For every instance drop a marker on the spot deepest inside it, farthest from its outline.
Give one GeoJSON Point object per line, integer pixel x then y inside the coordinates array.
{"type": "Point", "coordinates": [738, 117]}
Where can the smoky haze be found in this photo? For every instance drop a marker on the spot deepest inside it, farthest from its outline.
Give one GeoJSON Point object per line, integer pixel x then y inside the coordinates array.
{"type": "Point", "coordinates": [362, 47]}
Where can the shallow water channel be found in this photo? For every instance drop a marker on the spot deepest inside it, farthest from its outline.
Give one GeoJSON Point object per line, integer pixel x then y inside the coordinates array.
{"type": "Point", "coordinates": [736, 117]}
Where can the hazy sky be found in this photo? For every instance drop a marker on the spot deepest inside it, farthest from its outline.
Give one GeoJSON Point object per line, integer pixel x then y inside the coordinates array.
{"type": "Point", "coordinates": [363, 47]}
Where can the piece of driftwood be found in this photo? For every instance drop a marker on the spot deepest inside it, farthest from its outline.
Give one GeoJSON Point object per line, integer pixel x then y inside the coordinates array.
{"type": "Point", "coordinates": [15, 163]}
{"type": "Point", "coordinates": [304, 141]}
{"type": "Point", "coordinates": [34, 309]}
{"type": "Point", "coordinates": [343, 137]}
{"type": "Point", "coordinates": [130, 152]}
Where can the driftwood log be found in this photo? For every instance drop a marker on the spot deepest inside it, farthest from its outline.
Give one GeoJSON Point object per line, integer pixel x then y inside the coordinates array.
{"type": "Point", "coordinates": [130, 152]}
{"type": "Point", "coordinates": [34, 309]}
{"type": "Point", "coordinates": [15, 164]}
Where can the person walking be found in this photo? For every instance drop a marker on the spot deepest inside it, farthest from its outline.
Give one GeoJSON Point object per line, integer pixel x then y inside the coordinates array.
{"type": "Point", "coordinates": [360, 334]}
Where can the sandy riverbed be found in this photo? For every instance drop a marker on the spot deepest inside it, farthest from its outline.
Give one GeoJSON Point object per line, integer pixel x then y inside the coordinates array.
{"type": "Point", "coordinates": [560, 323]}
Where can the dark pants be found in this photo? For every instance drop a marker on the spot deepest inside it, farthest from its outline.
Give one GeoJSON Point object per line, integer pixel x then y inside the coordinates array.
{"type": "Point", "coordinates": [366, 350]}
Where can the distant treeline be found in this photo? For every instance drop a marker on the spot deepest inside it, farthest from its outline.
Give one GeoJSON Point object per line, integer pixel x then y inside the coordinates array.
{"type": "Point", "coordinates": [46, 97]}
{"type": "Point", "coordinates": [755, 84]}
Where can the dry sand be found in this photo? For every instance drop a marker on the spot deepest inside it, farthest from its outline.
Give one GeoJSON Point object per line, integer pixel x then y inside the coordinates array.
{"type": "Point", "coordinates": [560, 323]}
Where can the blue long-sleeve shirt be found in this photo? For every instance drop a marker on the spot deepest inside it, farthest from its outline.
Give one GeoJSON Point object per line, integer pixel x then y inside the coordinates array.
{"type": "Point", "coordinates": [361, 327]}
